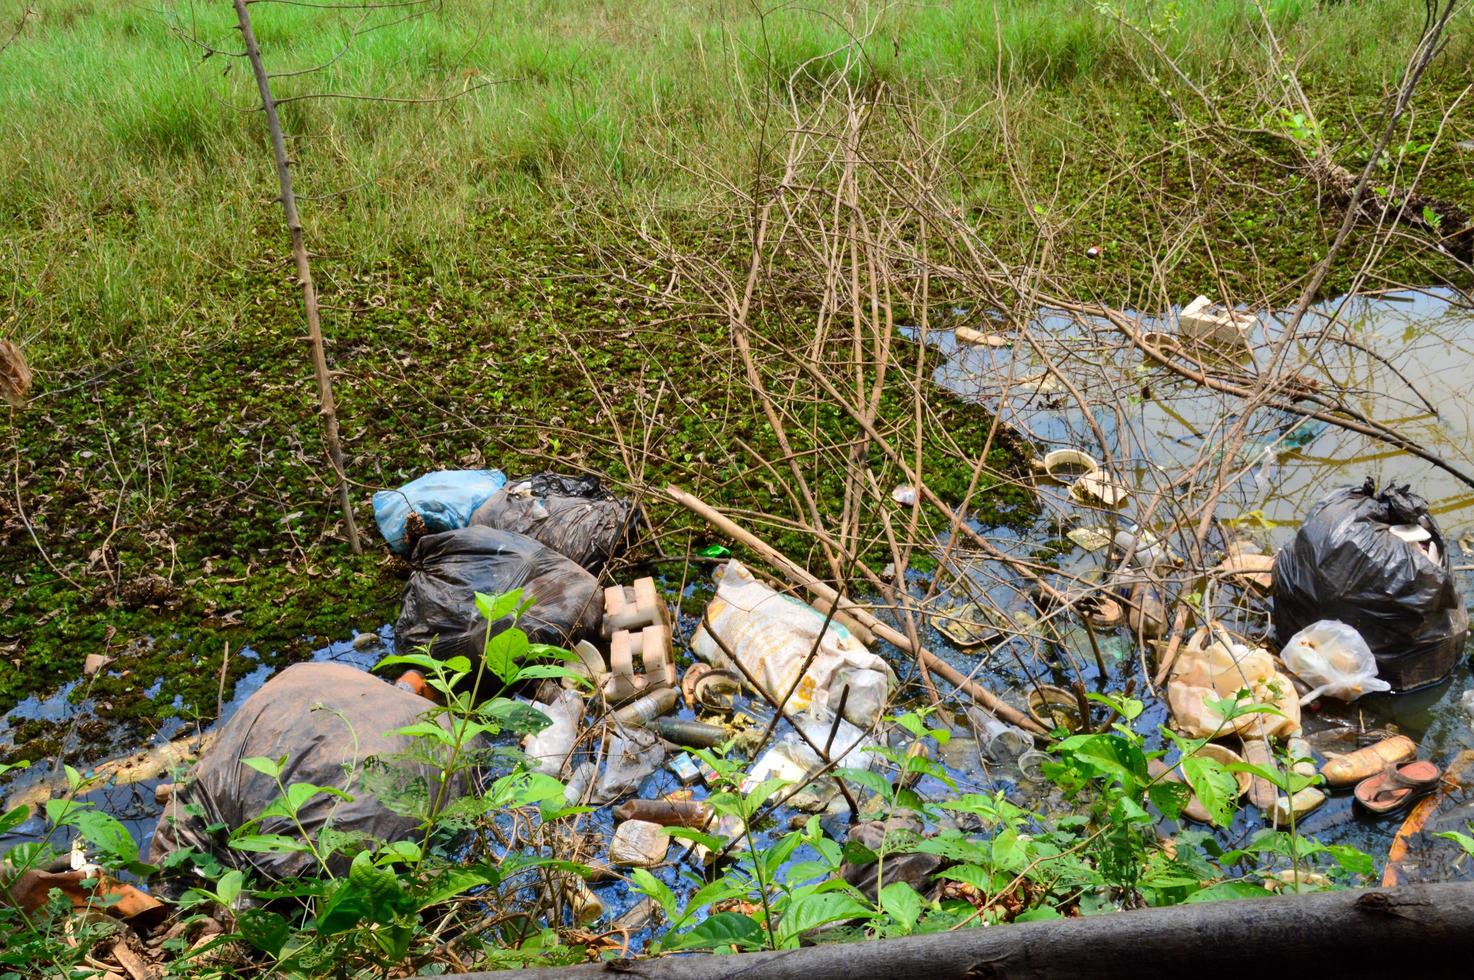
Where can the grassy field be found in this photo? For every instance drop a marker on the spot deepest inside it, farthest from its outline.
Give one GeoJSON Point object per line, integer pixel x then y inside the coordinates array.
{"type": "Point", "coordinates": [171, 496]}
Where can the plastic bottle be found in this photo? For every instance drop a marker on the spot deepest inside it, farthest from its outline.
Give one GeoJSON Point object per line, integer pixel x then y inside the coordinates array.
{"type": "Point", "coordinates": [691, 733]}
{"type": "Point", "coordinates": [640, 713]}
{"type": "Point", "coordinates": [1001, 741]}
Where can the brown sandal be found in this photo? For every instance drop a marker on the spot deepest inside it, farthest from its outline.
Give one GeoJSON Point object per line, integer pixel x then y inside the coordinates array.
{"type": "Point", "coordinates": [1397, 785]}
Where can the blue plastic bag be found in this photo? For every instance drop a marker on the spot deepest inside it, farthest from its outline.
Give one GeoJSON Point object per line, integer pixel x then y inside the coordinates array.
{"type": "Point", "coordinates": [444, 500]}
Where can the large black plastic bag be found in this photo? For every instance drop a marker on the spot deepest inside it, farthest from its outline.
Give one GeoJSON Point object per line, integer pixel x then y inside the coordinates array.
{"type": "Point", "coordinates": [1346, 564]}
{"type": "Point", "coordinates": [334, 724]}
{"type": "Point", "coordinates": [574, 515]}
{"type": "Point", "coordinates": [449, 569]}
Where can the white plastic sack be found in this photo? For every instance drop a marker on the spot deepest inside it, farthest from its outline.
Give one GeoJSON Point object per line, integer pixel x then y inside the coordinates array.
{"type": "Point", "coordinates": [1333, 659]}
{"type": "Point", "coordinates": [772, 635]}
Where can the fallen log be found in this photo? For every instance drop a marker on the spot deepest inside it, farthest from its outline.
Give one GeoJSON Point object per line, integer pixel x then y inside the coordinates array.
{"type": "Point", "coordinates": [1423, 931]}
{"type": "Point", "coordinates": [800, 576]}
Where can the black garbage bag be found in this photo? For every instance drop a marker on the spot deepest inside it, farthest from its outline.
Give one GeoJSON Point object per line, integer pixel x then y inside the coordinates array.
{"type": "Point", "coordinates": [574, 515]}
{"type": "Point", "coordinates": [1347, 564]}
{"type": "Point", "coordinates": [334, 724]}
{"type": "Point", "coordinates": [439, 606]}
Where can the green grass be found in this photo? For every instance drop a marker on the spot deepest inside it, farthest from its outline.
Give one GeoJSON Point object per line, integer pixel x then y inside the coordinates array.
{"type": "Point", "coordinates": [591, 105]}
{"type": "Point", "coordinates": [459, 249]}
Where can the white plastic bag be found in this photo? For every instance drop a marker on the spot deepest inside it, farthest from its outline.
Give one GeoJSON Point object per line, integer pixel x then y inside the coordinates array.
{"type": "Point", "coordinates": [551, 747]}
{"type": "Point", "coordinates": [1333, 658]}
{"type": "Point", "coordinates": [772, 635]}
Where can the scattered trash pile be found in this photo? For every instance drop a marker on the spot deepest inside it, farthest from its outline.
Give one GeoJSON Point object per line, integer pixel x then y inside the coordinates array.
{"type": "Point", "coordinates": [1363, 601]}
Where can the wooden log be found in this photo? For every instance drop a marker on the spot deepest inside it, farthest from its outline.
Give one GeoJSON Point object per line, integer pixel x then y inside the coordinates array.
{"type": "Point", "coordinates": [1420, 931]}
{"type": "Point", "coordinates": [800, 576]}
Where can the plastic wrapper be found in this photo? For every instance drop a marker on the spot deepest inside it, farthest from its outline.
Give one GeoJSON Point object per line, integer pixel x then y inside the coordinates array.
{"type": "Point", "coordinates": [1334, 660]}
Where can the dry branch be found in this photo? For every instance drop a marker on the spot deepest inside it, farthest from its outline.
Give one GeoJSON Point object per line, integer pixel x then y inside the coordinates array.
{"type": "Point", "coordinates": [304, 273]}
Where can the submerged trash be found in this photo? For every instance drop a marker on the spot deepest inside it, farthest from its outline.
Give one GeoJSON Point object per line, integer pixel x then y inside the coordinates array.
{"type": "Point", "coordinates": [1068, 465]}
{"type": "Point", "coordinates": [1288, 809]}
{"type": "Point", "coordinates": [439, 607]}
{"type": "Point", "coordinates": [1089, 538]}
{"type": "Point", "coordinates": [637, 624]}
{"type": "Point", "coordinates": [444, 501]}
{"type": "Point", "coordinates": [1145, 550]}
{"type": "Point", "coordinates": [629, 757]}
{"type": "Point", "coordinates": [638, 844]}
{"type": "Point", "coordinates": [976, 338]}
{"type": "Point", "coordinates": [351, 739]}
{"type": "Point", "coordinates": [684, 769]}
{"type": "Point", "coordinates": [999, 740]}
{"type": "Point", "coordinates": [642, 711]}
{"type": "Point", "coordinates": [1334, 659]}
{"type": "Point", "coordinates": [551, 748]}
{"type": "Point", "coordinates": [576, 516]}
{"type": "Point", "coordinates": [889, 835]}
{"type": "Point", "coordinates": [1099, 488]}
{"type": "Point", "coordinates": [1369, 760]}
{"type": "Point", "coordinates": [1202, 320]}
{"type": "Point", "coordinates": [1254, 571]}
{"type": "Point", "coordinates": [689, 733]}
{"type": "Point", "coordinates": [1210, 670]}
{"type": "Point", "coordinates": [667, 813]}
{"type": "Point", "coordinates": [772, 636]}
{"type": "Point", "coordinates": [794, 760]}
{"type": "Point", "coordinates": [1347, 563]}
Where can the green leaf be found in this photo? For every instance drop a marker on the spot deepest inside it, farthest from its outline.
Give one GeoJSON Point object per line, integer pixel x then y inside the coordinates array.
{"type": "Point", "coordinates": [857, 853]}
{"type": "Point", "coordinates": [1042, 914]}
{"type": "Point", "coordinates": [424, 661]}
{"type": "Point", "coordinates": [268, 844]}
{"type": "Point", "coordinates": [1170, 797]}
{"type": "Point", "coordinates": [1268, 773]}
{"type": "Point", "coordinates": [872, 781]}
{"type": "Point", "coordinates": [495, 607]}
{"type": "Point", "coordinates": [647, 884]}
{"type": "Point", "coordinates": [271, 768]}
{"type": "Point", "coordinates": [427, 729]}
{"type": "Point", "coordinates": [534, 672]}
{"type": "Point", "coordinates": [110, 836]}
{"type": "Point", "coordinates": [722, 929]}
{"type": "Point", "coordinates": [1227, 890]}
{"type": "Point", "coordinates": [970, 874]}
{"type": "Point", "coordinates": [228, 888]}
{"type": "Point", "coordinates": [504, 651]}
{"type": "Point", "coordinates": [1213, 785]}
{"type": "Point", "coordinates": [265, 930]}
{"type": "Point", "coordinates": [14, 817]}
{"type": "Point", "coordinates": [901, 902]}
{"type": "Point", "coordinates": [454, 882]}
{"type": "Point", "coordinates": [811, 911]}
{"type": "Point", "coordinates": [1108, 755]}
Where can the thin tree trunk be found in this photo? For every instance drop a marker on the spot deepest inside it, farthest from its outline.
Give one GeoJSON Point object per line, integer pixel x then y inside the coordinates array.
{"type": "Point", "coordinates": [304, 271]}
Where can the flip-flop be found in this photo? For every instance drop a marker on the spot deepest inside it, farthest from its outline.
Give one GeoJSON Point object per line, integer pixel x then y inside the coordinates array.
{"type": "Point", "coordinates": [1396, 786]}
